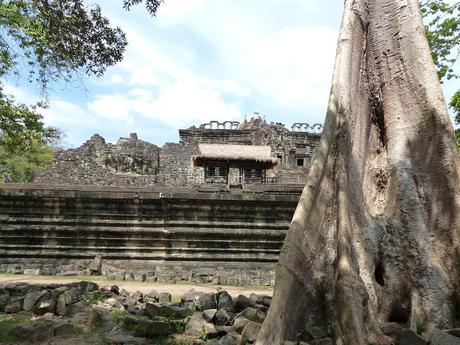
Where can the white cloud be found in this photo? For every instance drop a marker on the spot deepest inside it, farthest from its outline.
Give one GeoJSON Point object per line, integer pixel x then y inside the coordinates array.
{"type": "Point", "coordinates": [113, 107]}
{"type": "Point", "coordinates": [295, 64]}
{"type": "Point", "coordinates": [179, 104]}
{"type": "Point", "coordinates": [186, 102]}
{"type": "Point", "coordinates": [172, 11]}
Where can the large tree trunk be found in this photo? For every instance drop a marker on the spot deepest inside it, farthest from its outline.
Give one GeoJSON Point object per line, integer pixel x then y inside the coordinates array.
{"type": "Point", "coordinates": [375, 236]}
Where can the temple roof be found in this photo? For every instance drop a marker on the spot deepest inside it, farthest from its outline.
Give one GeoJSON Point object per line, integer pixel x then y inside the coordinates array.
{"type": "Point", "coordinates": [225, 152]}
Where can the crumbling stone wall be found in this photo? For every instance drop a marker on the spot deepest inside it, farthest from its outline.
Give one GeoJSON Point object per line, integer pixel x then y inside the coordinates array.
{"type": "Point", "coordinates": [129, 162]}
{"type": "Point", "coordinates": [134, 162]}
{"type": "Point", "coordinates": [176, 167]}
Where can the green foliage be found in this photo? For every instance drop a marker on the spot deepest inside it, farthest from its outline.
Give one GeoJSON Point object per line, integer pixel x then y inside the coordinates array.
{"type": "Point", "coordinates": [94, 297]}
{"type": "Point", "coordinates": [20, 166]}
{"type": "Point", "coordinates": [420, 327]}
{"type": "Point", "coordinates": [442, 27]}
{"type": "Point", "coordinates": [443, 33]}
{"type": "Point", "coordinates": [118, 315]}
{"type": "Point", "coordinates": [79, 329]}
{"type": "Point", "coordinates": [203, 335]}
{"type": "Point", "coordinates": [6, 326]}
{"type": "Point", "coordinates": [150, 5]}
{"type": "Point", "coordinates": [54, 40]}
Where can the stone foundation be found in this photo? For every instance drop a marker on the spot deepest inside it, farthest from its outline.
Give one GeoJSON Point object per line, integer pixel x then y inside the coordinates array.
{"type": "Point", "coordinates": [194, 235]}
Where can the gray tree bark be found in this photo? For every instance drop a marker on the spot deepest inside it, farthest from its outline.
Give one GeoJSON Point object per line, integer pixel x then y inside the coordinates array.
{"type": "Point", "coordinates": [375, 236]}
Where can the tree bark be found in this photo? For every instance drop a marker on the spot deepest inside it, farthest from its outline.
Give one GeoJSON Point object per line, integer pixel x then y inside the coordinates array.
{"type": "Point", "coordinates": [375, 236]}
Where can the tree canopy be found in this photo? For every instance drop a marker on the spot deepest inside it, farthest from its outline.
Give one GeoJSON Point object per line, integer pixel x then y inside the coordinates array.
{"type": "Point", "coordinates": [442, 28]}
{"type": "Point", "coordinates": [46, 41]}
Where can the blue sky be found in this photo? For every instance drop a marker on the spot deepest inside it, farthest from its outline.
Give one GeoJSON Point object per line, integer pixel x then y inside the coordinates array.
{"type": "Point", "coordinates": [202, 60]}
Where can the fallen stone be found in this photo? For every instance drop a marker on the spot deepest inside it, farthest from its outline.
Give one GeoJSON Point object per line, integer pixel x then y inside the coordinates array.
{"type": "Point", "coordinates": [151, 310]}
{"type": "Point", "coordinates": [48, 306]}
{"type": "Point", "coordinates": [171, 311]}
{"type": "Point", "coordinates": [443, 338]}
{"type": "Point", "coordinates": [130, 322]}
{"type": "Point", "coordinates": [87, 286]}
{"type": "Point", "coordinates": [95, 266]}
{"type": "Point", "coordinates": [266, 300]}
{"type": "Point", "coordinates": [79, 307]}
{"type": "Point", "coordinates": [196, 325]}
{"type": "Point", "coordinates": [241, 302]}
{"type": "Point", "coordinates": [34, 334]}
{"type": "Point", "coordinates": [239, 324]}
{"type": "Point", "coordinates": [164, 297]}
{"type": "Point", "coordinates": [409, 337]}
{"type": "Point", "coordinates": [138, 296]}
{"type": "Point", "coordinates": [225, 301]}
{"type": "Point", "coordinates": [135, 310]}
{"type": "Point", "coordinates": [209, 314]}
{"type": "Point", "coordinates": [63, 330]}
{"type": "Point", "coordinates": [33, 298]}
{"type": "Point", "coordinates": [14, 306]}
{"type": "Point", "coordinates": [206, 301]}
{"type": "Point", "coordinates": [118, 337]}
{"type": "Point", "coordinates": [223, 317]}
{"type": "Point", "coordinates": [158, 328]}
{"type": "Point", "coordinates": [5, 298]}
{"type": "Point", "coordinates": [151, 296]}
{"type": "Point", "coordinates": [115, 289]}
{"type": "Point", "coordinates": [392, 329]}
{"type": "Point", "coordinates": [250, 332]}
{"type": "Point", "coordinates": [252, 314]}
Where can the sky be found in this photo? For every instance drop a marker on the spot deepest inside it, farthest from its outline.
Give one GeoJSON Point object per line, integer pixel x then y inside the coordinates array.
{"type": "Point", "coordinates": [203, 60]}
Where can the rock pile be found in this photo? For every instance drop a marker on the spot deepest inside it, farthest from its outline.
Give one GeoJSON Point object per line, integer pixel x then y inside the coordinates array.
{"type": "Point", "coordinates": [49, 313]}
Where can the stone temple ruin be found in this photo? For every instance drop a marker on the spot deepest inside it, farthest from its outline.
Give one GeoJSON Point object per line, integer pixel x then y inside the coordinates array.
{"type": "Point", "coordinates": [227, 153]}
{"type": "Point", "coordinates": [214, 207]}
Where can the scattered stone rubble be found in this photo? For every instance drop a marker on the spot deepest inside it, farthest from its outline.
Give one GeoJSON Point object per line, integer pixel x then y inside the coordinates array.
{"type": "Point", "coordinates": [219, 275]}
{"type": "Point", "coordinates": [60, 313]}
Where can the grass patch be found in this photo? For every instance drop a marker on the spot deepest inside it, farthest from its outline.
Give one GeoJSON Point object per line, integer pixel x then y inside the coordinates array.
{"type": "Point", "coordinates": [118, 315]}
{"type": "Point", "coordinates": [5, 329]}
{"type": "Point", "coordinates": [79, 329]}
{"type": "Point", "coordinates": [94, 297]}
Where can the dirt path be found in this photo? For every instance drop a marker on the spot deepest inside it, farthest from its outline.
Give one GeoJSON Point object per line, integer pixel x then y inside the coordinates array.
{"type": "Point", "coordinates": [132, 286]}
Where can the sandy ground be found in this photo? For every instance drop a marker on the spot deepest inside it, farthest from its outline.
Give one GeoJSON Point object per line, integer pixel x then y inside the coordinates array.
{"type": "Point", "coordinates": [132, 286]}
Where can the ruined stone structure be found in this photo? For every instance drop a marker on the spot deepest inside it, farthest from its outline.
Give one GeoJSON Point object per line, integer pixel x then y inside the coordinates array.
{"type": "Point", "coordinates": [187, 234]}
{"type": "Point", "coordinates": [214, 207]}
{"type": "Point", "coordinates": [134, 162]}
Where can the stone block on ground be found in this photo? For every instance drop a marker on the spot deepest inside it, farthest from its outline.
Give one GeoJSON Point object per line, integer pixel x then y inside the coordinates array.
{"type": "Point", "coordinates": [14, 306]}
{"type": "Point", "coordinates": [209, 314]}
{"type": "Point", "coordinates": [250, 332]}
{"type": "Point", "coordinates": [33, 298]}
{"type": "Point", "coordinates": [223, 317]}
{"type": "Point", "coordinates": [164, 297]}
{"type": "Point", "coordinates": [409, 337]}
{"type": "Point", "coordinates": [253, 314]}
{"type": "Point", "coordinates": [239, 324]}
{"type": "Point", "coordinates": [443, 338]}
{"type": "Point", "coordinates": [63, 330]}
{"type": "Point", "coordinates": [206, 301]}
{"type": "Point", "coordinates": [95, 266]}
{"type": "Point", "coordinates": [151, 310]}
{"type": "Point", "coordinates": [158, 328]}
{"type": "Point", "coordinates": [197, 324]}
{"type": "Point", "coordinates": [224, 301]}
{"type": "Point", "coordinates": [47, 306]}
{"type": "Point", "coordinates": [241, 302]}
